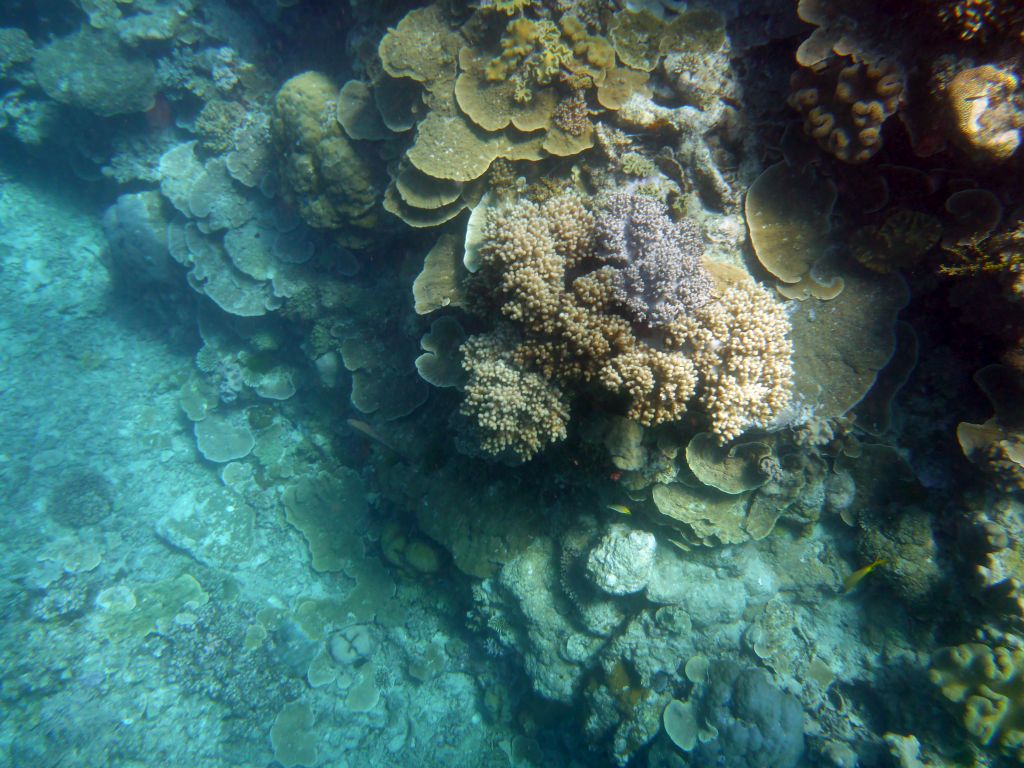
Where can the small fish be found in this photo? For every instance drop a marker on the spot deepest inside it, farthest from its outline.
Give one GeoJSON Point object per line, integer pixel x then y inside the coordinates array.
{"type": "Point", "coordinates": [622, 510]}
{"type": "Point", "coordinates": [850, 582]}
{"type": "Point", "coordinates": [372, 433]}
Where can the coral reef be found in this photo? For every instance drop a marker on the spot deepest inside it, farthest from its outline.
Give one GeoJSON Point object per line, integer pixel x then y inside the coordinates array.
{"type": "Point", "coordinates": [367, 261]}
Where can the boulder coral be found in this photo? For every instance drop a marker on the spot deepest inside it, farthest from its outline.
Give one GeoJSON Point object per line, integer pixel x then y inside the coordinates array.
{"type": "Point", "coordinates": [333, 184]}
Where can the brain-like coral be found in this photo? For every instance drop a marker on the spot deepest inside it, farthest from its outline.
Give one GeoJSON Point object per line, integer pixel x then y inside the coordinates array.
{"type": "Point", "coordinates": [985, 117]}
{"type": "Point", "coordinates": [844, 104]}
{"type": "Point", "coordinates": [987, 688]}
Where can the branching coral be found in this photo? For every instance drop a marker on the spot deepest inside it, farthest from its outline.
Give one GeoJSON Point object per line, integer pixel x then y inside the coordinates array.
{"type": "Point", "coordinates": [658, 383]}
{"type": "Point", "coordinates": [561, 276]}
{"type": "Point", "coordinates": [1001, 253]}
{"type": "Point", "coordinates": [739, 345]}
{"type": "Point", "coordinates": [661, 276]}
{"type": "Point", "coordinates": [515, 412]}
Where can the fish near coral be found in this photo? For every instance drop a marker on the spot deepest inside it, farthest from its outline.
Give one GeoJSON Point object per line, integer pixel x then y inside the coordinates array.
{"type": "Point", "coordinates": [850, 582]}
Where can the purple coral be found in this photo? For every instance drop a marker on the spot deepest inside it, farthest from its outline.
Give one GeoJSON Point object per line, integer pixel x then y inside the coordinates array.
{"type": "Point", "coordinates": [660, 273]}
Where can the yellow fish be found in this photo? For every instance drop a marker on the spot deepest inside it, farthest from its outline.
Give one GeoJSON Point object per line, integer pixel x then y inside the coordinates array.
{"type": "Point", "coordinates": [850, 582]}
{"type": "Point", "coordinates": [620, 509]}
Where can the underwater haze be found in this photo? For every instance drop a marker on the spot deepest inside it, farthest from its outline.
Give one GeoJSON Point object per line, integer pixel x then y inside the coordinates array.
{"type": "Point", "coordinates": [512, 383]}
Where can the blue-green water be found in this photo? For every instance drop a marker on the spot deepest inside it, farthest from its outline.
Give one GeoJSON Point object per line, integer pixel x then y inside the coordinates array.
{"type": "Point", "coordinates": [511, 383]}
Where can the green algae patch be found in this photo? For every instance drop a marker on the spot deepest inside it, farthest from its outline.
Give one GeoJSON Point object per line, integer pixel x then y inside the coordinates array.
{"type": "Point", "coordinates": [135, 613]}
{"type": "Point", "coordinates": [292, 736]}
{"type": "Point", "coordinates": [329, 511]}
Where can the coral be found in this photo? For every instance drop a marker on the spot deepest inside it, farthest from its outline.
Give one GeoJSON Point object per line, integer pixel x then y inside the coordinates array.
{"type": "Point", "coordinates": [701, 79]}
{"type": "Point", "coordinates": [440, 363]}
{"type": "Point", "coordinates": [844, 104]}
{"type": "Point", "coordinates": [451, 148]}
{"type": "Point", "coordinates": [840, 346]}
{"type": "Point", "coordinates": [1003, 252]}
{"type": "Point", "coordinates": [359, 114]}
{"type": "Point", "coordinates": [330, 511]}
{"type": "Point", "coordinates": [658, 384]}
{"type": "Point", "coordinates": [739, 346]}
{"type": "Point", "coordinates": [997, 445]}
{"type": "Point", "coordinates": [757, 723]}
{"type": "Point", "coordinates": [383, 382]}
{"type": "Point", "coordinates": [492, 104]}
{"type": "Point", "coordinates": [621, 562]}
{"type": "Point", "coordinates": [136, 230]}
{"type": "Point", "coordinates": [702, 517]}
{"type": "Point", "coordinates": [528, 248]}
{"type": "Point", "coordinates": [573, 333]}
{"type": "Point", "coordinates": [981, 20]}
{"type": "Point", "coordinates": [293, 736]}
{"type": "Point", "coordinates": [572, 115]}
{"type": "Point", "coordinates": [986, 687]}
{"type": "Point", "coordinates": [333, 184]}
{"type": "Point", "coordinates": [514, 412]}
{"type": "Point", "coordinates": [741, 468]}
{"type": "Point", "coordinates": [984, 114]}
{"type": "Point", "coordinates": [641, 39]}
{"type": "Point", "coordinates": [215, 527]}
{"type": "Point", "coordinates": [532, 54]}
{"type": "Point", "coordinates": [15, 48]}
{"type": "Point", "coordinates": [422, 47]}
{"type": "Point", "coordinates": [216, 124]}
{"type": "Point", "coordinates": [593, 49]}
{"type": "Point", "coordinates": [905, 541]}
{"type": "Point", "coordinates": [222, 439]}
{"type": "Point", "coordinates": [83, 497]}
{"type": "Point", "coordinates": [440, 282]}
{"type": "Point", "coordinates": [425, 192]}
{"type": "Point", "coordinates": [788, 212]}
{"type": "Point", "coordinates": [524, 608]}
{"type": "Point", "coordinates": [660, 275]}
{"type": "Point", "coordinates": [253, 267]}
